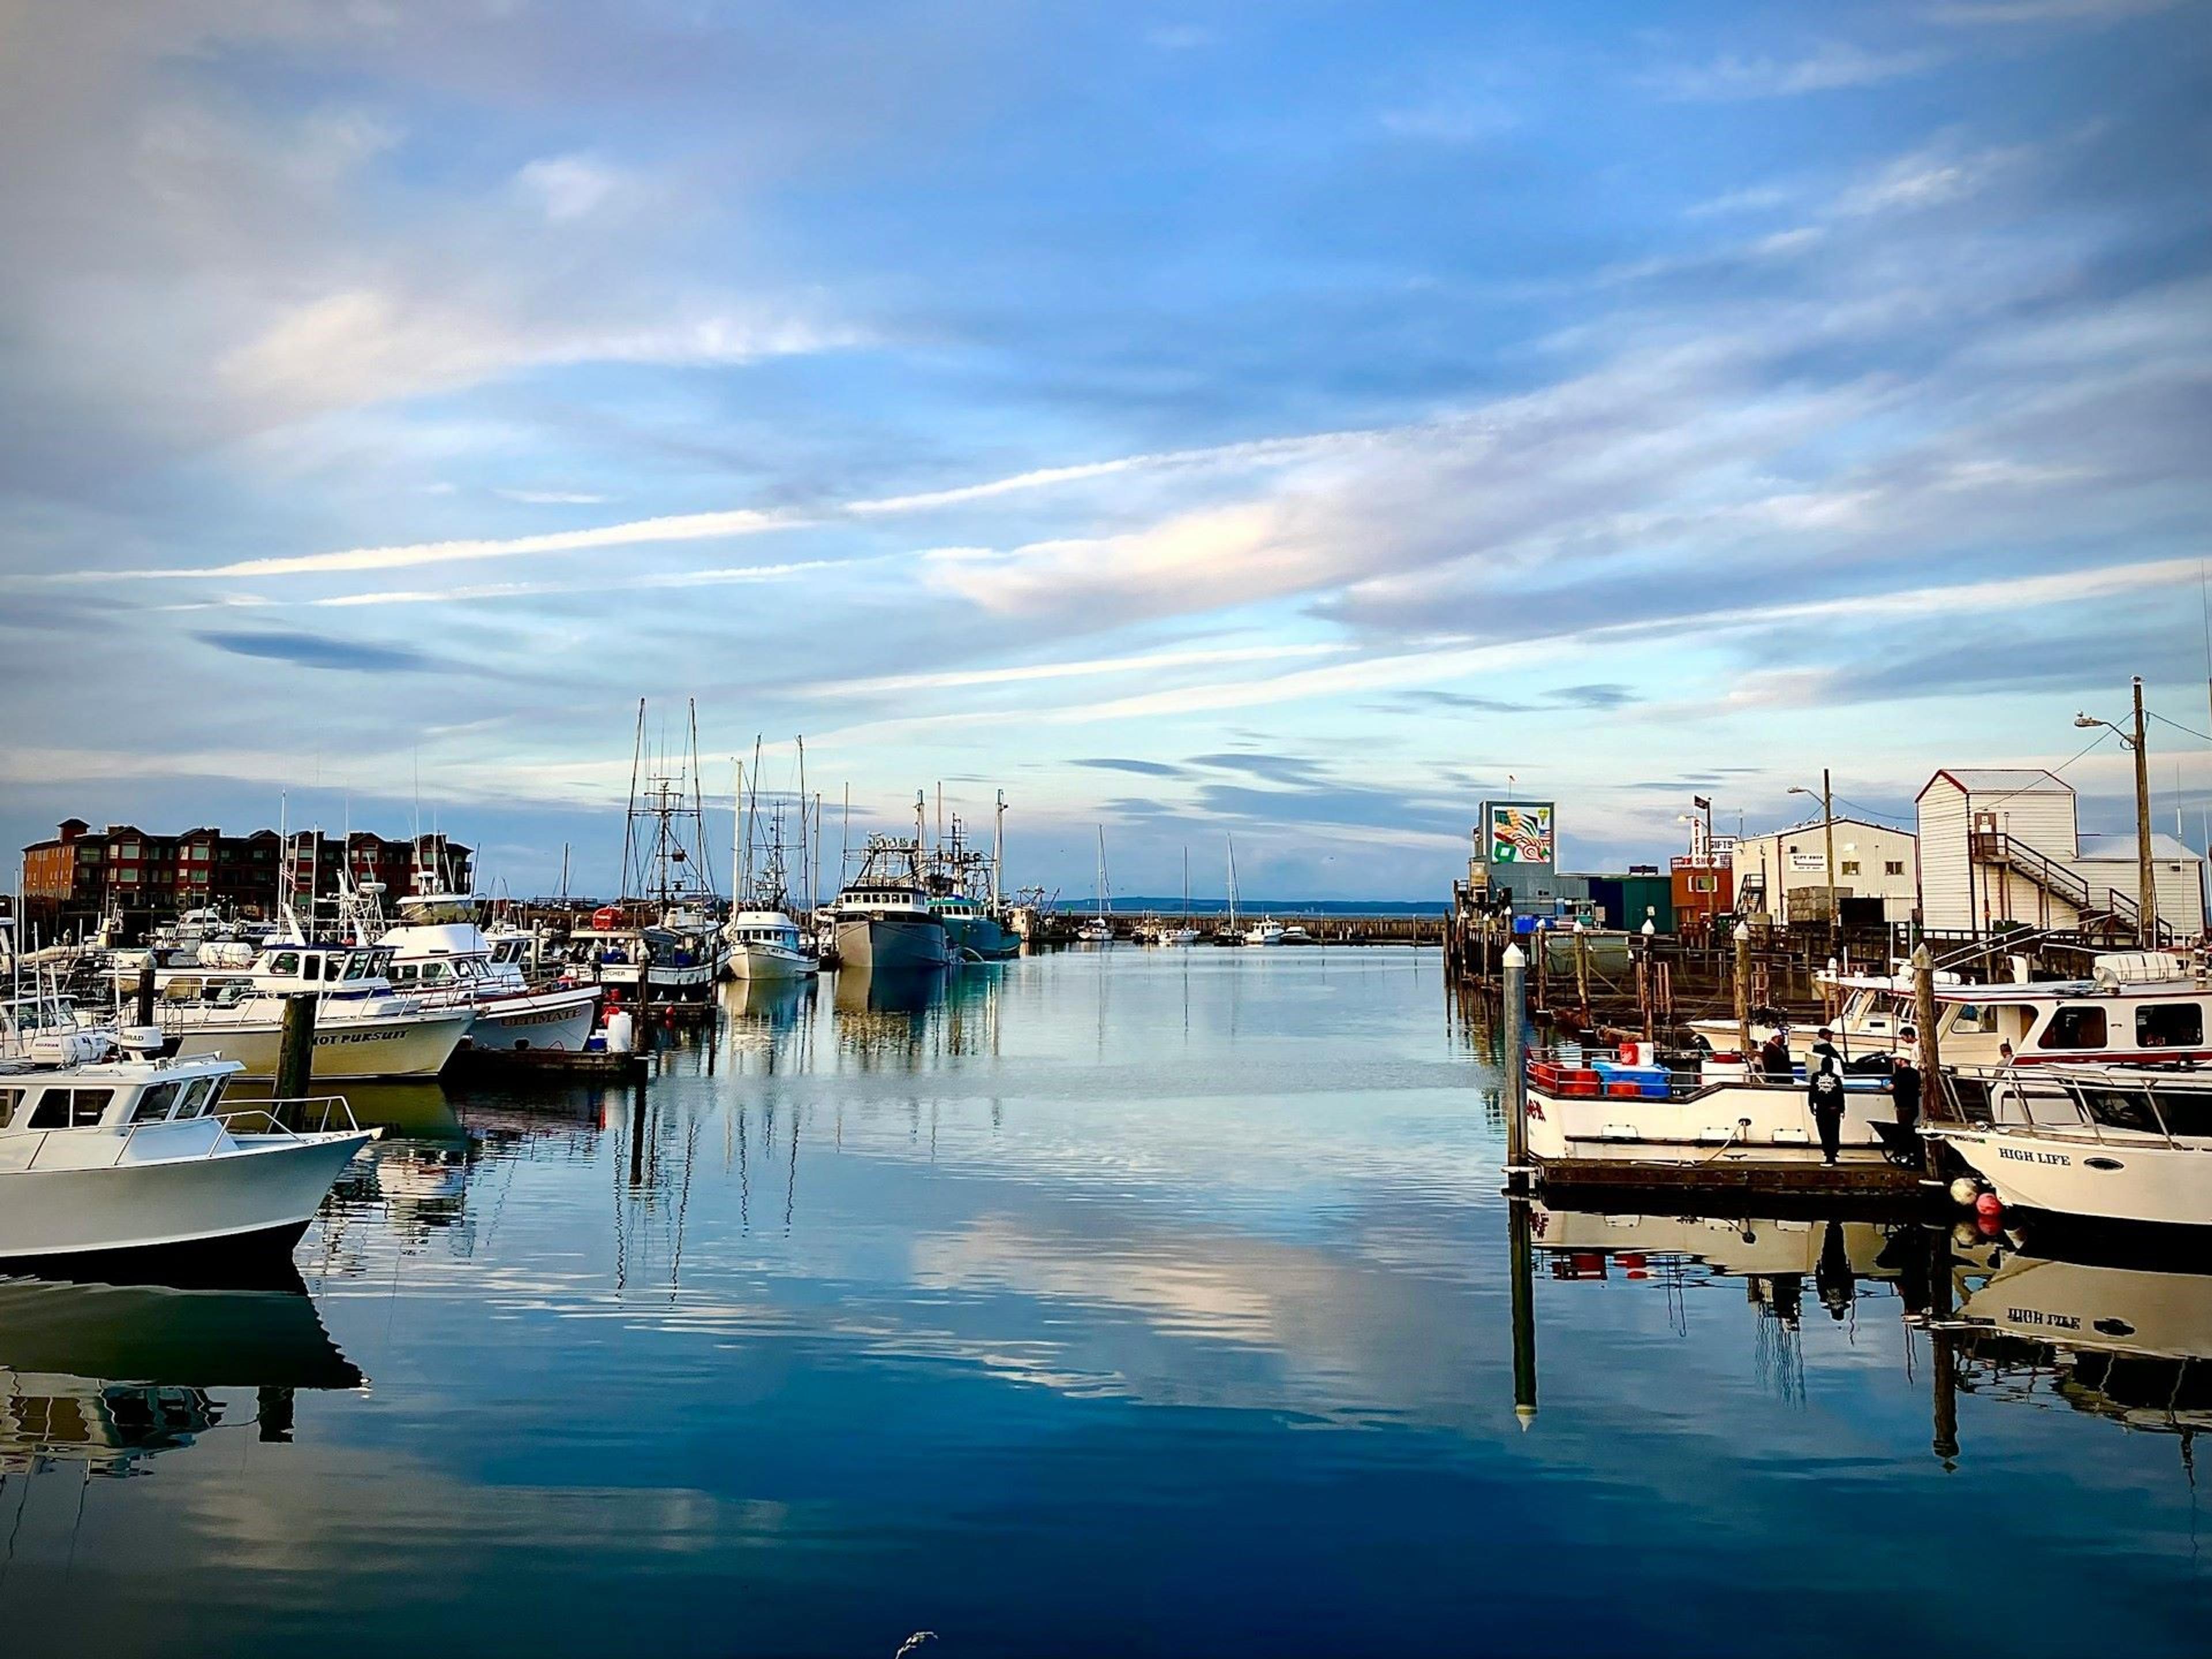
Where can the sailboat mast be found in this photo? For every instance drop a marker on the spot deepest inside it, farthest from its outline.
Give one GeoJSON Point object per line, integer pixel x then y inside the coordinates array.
{"type": "Point", "coordinates": [997, 851]}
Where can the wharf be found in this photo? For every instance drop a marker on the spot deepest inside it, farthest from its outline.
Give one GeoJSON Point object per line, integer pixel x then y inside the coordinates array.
{"type": "Point", "coordinates": [1621, 1178]}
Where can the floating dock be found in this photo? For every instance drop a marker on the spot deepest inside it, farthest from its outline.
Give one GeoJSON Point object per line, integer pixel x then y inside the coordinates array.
{"type": "Point", "coordinates": [566, 1065]}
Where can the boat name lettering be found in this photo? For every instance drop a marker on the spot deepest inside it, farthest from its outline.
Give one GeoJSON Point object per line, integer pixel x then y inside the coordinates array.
{"type": "Point", "coordinates": [2019, 1155]}
{"type": "Point", "coordinates": [2037, 1316]}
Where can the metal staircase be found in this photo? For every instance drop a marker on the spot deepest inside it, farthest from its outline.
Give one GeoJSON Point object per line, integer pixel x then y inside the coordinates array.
{"type": "Point", "coordinates": [2115, 916]}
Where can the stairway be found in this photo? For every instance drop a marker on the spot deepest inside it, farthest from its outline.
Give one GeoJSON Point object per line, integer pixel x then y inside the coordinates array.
{"type": "Point", "coordinates": [2115, 916]}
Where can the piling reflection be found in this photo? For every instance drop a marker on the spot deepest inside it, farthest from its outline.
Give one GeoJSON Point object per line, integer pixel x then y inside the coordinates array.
{"type": "Point", "coordinates": [101, 1377]}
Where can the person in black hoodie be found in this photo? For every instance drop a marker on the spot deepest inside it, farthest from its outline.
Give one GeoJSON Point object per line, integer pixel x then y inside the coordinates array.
{"type": "Point", "coordinates": [1824, 1082]}
{"type": "Point", "coordinates": [1905, 1080]}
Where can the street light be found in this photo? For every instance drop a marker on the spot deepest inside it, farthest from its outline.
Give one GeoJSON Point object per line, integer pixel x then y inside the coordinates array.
{"type": "Point", "coordinates": [1828, 835]}
{"type": "Point", "coordinates": [2146, 881]}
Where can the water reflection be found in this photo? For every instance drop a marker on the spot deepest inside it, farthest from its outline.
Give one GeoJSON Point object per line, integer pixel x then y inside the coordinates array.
{"type": "Point", "coordinates": [103, 1377]}
{"type": "Point", "coordinates": [903, 1020]}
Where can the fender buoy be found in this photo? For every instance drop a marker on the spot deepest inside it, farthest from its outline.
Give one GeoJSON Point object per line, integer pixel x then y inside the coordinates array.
{"type": "Point", "coordinates": [1988, 1207]}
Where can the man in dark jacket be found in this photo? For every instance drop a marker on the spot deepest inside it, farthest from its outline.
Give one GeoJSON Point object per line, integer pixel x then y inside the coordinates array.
{"type": "Point", "coordinates": [1824, 1082]}
{"type": "Point", "coordinates": [1774, 1058]}
{"type": "Point", "coordinates": [1905, 1080]}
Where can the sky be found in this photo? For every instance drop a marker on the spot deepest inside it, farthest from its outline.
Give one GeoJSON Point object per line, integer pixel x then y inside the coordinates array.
{"type": "Point", "coordinates": [1300, 421]}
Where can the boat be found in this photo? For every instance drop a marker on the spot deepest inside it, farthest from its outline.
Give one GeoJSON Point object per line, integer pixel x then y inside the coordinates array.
{"type": "Point", "coordinates": [977, 924]}
{"type": "Point", "coordinates": [1231, 934]}
{"type": "Point", "coordinates": [882, 916]}
{"type": "Point", "coordinates": [1294, 935]}
{"type": "Point", "coordinates": [1599, 1116]}
{"type": "Point", "coordinates": [1871, 1012]}
{"type": "Point", "coordinates": [364, 1028]}
{"type": "Point", "coordinates": [1267, 930]}
{"type": "Point", "coordinates": [1183, 933]}
{"type": "Point", "coordinates": [1099, 930]}
{"type": "Point", "coordinates": [662, 941]}
{"type": "Point", "coordinates": [2102, 1143]}
{"type": "Point", "coordinates": [127, 1153]}
{"type": "Point", "coordinates": [762, 942]}
{"type": "Point", "coordinates": [441, 957]}
{"type": "Point", "coordinates": [2136, 1006]}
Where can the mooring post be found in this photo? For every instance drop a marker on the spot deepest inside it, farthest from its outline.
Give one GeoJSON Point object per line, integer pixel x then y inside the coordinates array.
{"type": "Point", "coordinates": [1521, 1254]}
{"type": "Point", "coordinates": [1944, 1384]}
{"type": "Point", "coordinates": [1513, 1009]}
{"type": "Point", "coordinates": [1743, 993]}
{"type": "Point", "coordinates": [1581, 971]}
{"type": "Point", "coordinates": [1932, 1089]}
{"type": "Point", "coordinates": [295, 1047]}
{"type": "Point", "coordinates": [146, 992]}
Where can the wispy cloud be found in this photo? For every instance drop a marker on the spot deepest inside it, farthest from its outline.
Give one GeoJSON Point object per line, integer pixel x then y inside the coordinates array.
{"type": "Point", "coordinates": [319, 651]}
{"type": "Point", "coordinates": [2014, 12]}
{"type": "Point", "coordinates": [1834, 66]}
{"type": "Point", "coordinates": [1141, 663]}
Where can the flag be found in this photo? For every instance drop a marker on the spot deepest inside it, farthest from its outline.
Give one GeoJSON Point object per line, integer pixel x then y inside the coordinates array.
{"type": "Point", "coordinates": [1701, 803]}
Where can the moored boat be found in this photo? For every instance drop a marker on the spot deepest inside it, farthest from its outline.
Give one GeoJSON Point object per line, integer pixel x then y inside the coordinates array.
{"type": "Point", "coordinates": [128, 1153]}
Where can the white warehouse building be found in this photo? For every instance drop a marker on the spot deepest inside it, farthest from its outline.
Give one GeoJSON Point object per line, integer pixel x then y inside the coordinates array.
{"type": "Point", "coordinates": [2001, 845]}
{"type": "Point", "coordinates": [1873, 860]}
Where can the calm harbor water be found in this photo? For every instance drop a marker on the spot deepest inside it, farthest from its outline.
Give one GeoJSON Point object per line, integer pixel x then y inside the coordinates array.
{"type": "Point", "coordinates": [1111, 1302]}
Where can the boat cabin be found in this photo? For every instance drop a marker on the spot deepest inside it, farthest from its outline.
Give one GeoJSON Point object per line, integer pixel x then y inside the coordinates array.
{"type": "Point", "coordinates": [118, 1096]}
{"type": "Point", "coordinates": [2101, 1020]}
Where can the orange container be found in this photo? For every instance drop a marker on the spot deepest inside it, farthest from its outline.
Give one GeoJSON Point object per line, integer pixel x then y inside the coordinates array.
{"type": "Point", "coordinates": [1621, 1090]}
{"type": "Point", "coordinates": [1578, 1080]}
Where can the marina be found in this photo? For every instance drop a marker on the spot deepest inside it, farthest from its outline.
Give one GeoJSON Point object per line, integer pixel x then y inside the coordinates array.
{"type": "Point", "coordinates": [885, 1261]}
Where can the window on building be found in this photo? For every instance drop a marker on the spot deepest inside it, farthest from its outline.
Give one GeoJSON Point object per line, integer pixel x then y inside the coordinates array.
{"type": "Point", "coordinates": [2077, 1025]}
{"type": "Point", "coordinates": [128, 877]}
{"type": "Point", "coordinates": [2169, 1025]}
{"type": "Point", "coordinates": [1851, 866]}
{"type": "Point", "coordinates": [127, 850]}
{"type": "Point", "coordinates": [1893, 867]}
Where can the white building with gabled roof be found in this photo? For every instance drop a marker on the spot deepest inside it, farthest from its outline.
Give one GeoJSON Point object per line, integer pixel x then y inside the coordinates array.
{"type": "Point", "coordinates": [2000, 846]}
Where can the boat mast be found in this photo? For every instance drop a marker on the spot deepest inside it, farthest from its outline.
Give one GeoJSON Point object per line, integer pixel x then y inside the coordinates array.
{"type": "Point", "coordinates": [805, 840]}
{"type": "Point", "coordinates": [1232, 883]}
{"type": "Point", "coordinates": [1104, 892]}
{"type": "Point", "coordinates": [997, 851]}
{"type": "Point", "coordinates": [632, 855]}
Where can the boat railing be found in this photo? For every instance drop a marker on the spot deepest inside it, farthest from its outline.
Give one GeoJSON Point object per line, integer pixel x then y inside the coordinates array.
{"type": "Point", "coordinates": [1568, 1071]}
{"type": "Point", "coordinates": [2029, 1083]}
{"type": "Point", "coordinates": [332, 1115]}
{"type": "Point", "coordinates": [292, 1115]}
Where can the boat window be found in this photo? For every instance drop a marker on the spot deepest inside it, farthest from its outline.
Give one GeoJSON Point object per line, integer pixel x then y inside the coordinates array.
{"type": "Point", "coordinates": [2169, 1025]}
{"type": "Point", "coordinates": [196, 1093]}
{"type": "Point", "coordinates": [2123, 1108]}
{"type": "Point", "coordinates": [404, 974]}
{"type": "Point", "coordinates": [71, 1109]}
{"type": "Point", "coordinates": [153, 1105]}
{"type": "Point", "coordinates": [1972, 1017]}
{"type": "Point", "coordinates": [2077, 1025]}
{"type": "Point", "coordinates": [185, 989]}
{"type": "Point", "coordinates": [332, 966]}
{"type": "Point", "coordinates": [9, 1100]}
{"type": "Point", "coordinates": [284, 961]}
{"type": "Point", "coordinates": [357, 968]}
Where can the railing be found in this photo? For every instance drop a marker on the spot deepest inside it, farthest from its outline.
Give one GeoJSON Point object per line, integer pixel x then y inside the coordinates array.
{"type": "Point", "coordinates": [2043, 1082]}
{"type": "Point", "coordinates": [273, 1114]}
{"type": "Point", "coordinates": [1995, 846]}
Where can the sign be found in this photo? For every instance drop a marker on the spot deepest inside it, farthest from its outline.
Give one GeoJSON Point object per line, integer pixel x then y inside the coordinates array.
{"type": "Point", "coordinates": [1520, 835]}
{"type": "Point", "coordinates": [1816, 862]}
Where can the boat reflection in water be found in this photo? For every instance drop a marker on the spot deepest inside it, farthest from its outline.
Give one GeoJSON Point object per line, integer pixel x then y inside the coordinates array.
{"type": "Point", "coordinates": [2132, 1342]}
{"type": "Point", "coordinates": [898, 1020]}
{"type": "Point", "coordinates": [101, 1377]}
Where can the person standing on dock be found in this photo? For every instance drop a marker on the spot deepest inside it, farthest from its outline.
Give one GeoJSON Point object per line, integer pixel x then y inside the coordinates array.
{"type": "Point", "coordinates": [1824, 1082]}
{"type": "Point", "coordinates": [1905, 1080]}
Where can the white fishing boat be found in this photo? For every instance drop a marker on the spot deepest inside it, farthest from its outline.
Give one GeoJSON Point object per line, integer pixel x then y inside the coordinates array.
{"type": "Point", "coordinates": [441, 957]}
{"type": "Point", "coordinates": [767, 945]}
{"type": "Point", "coordinates": [2098, 1143]}
{"type": "Point", "coordinates": [1267, 930]}
{"type": "Point", "coordinates": [128, 1153]}
{"type": "Point", "coordinates": [1872, 1011]}
{"type": "Point", "coordinates": [2137, 1006]}
{"type": "Point", "coordinates": [1598, 1114]}
{"type": "Point", "coordinates": [364, 1028]}
{"type": "Point", "coordinates": [761, 940]}
{"type": "Point", "coordinates": [1294, 935]}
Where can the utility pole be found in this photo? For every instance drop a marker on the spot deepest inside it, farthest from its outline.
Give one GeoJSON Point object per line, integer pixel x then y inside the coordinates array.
{"type": "Point", "coordinates": [2146, 875]}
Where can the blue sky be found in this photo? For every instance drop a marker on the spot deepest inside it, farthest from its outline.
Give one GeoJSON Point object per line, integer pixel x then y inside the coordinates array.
{"type": "Point", "coordinates": [1292, 419]}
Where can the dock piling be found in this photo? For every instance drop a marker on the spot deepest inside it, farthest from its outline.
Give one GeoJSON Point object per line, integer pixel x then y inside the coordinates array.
{"type": "Point", "coordinates": [295, 1049]}
{"type": "Point", "coordinates": [1513, 1010]}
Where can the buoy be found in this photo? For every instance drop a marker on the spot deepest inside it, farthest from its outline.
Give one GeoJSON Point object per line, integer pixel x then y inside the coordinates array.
{"type": "Point", "coordinates": [1965, 1190]}
{"type": "Point", "coordinates": [1988, 1207]}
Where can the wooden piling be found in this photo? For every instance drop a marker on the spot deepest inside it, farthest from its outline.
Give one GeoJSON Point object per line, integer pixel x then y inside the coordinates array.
{"type": "Point", "coordinates": [295, 1050]}
{"type": "Point", "coordinates": [146, 992]}
{"type": "Point", "coordinates": [1513, 1009]}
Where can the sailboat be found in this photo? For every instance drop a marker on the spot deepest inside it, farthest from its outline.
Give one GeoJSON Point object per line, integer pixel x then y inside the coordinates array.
{"type": "Point", "coordinates": [1184, 934]}
{"type": "Point", "coordinates": [1230, 935]}
{"type": "Point", "coordinates": [1100, 930]}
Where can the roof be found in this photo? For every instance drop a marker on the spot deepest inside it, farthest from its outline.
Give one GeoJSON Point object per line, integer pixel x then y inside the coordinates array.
{"type": "Point", "coordinates": [2101, 848]}
{"type": "Point", "coordinates": [2001, 780]}
{"type": "Point", "coordinates": [1816, 824]}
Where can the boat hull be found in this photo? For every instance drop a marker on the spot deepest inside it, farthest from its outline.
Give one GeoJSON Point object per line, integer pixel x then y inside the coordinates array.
{"type": "Point", "coordinates": [769, 964]}
{"type": "Point", "coordinates": [405, 1045]}
{"type": "Point", "coordinates": [559, 1020]}
{"type": "Point", "coordinates": [267, 1185]}
{"type": "Point", "coordinates": [1723, 1130]}
{"type": "Point", "coordinates": [893, 942]}
{"type": "Point", "coordinates": [981, 939]}
{"type": "Point", "coordinates": [2114, 1181]}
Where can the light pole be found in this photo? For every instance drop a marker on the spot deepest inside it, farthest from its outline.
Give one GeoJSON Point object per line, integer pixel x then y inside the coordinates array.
{"type": "Point", "coordinates": [2145, 877]}
{"type": "Point", "coordinates": [1828, 836]}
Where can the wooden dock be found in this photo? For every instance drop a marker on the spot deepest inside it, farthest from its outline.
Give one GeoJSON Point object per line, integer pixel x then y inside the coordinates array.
{"type": "Point", "coordinates": [1866, 1178]}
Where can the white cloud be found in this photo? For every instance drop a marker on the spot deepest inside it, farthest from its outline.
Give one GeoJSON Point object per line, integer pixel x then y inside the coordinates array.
{"type": "Point", "coordinates": [566, 187]}
{"type": "Point", "coordinates": [1448, 121]}
{"type": "Point", "coordinates": [1144, 662]}
{"type": "Point", "coordinates": [1834, 66]}
{"type": "Point", "coordinates": [2008, 12]}
{"type": "Point", "coordinates": [551, 497]}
